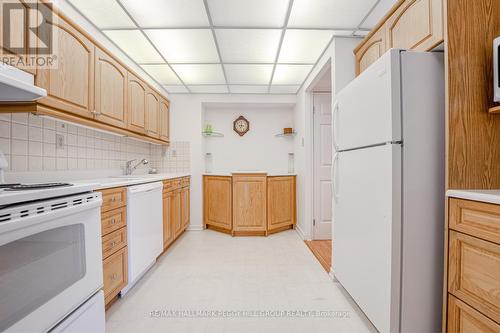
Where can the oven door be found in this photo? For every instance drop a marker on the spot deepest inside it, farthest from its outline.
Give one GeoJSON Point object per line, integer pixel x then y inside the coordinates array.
{"type": "Point", "coordinates": [50, 260]}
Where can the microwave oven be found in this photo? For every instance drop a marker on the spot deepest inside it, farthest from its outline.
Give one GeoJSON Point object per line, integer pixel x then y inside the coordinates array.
{"type": "Point", "coordinates": [496, 69]}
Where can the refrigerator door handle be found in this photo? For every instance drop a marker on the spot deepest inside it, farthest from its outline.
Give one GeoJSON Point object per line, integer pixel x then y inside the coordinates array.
{"type": "Point", "coordinates": [335, 122]}
{"type": "Point", "coordinates": [336, 195]}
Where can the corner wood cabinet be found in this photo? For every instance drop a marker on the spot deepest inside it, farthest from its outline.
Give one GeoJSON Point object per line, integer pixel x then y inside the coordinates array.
{"type": "Point", "coordinates": [91, 87]}
{"type": "Point", "coordinates": [410, 24]}
{"type": "Point", "coordinates": [175, 209]}
{"type": "Point", "coordinates": [114, 242]}
{"type": "Point", "coordinates": [249, 204]}
{"type": "Point", "coordinates": [473, 267]}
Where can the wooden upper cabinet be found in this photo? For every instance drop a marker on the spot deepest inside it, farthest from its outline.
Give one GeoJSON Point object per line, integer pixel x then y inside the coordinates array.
{"type": "Point", "coordinates": [70, 86]}
{"type": "Point", "coordinates": [217, 201]}
{"type": "Point", "coordinates": [249, 202]}
{"type": "Point", "coordinates": [152, 113]}
{"type": "Point", "coordinates": [280, 202]}
{"type": "Point", "coordinates": [164, 120]}
{"type": "Point", "coordinates": [20, 36]}
{"type": "Point", "coordinates": [110, 90]}
{"type": "Point", "coordinates": [371, 50]}
{"type": "Point", "coordinates": [136, 117]}
{"type": "Point", "coordinates": [416, 25]}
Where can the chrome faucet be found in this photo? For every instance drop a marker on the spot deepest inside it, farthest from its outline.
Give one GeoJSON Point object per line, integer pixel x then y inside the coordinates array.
{"type": "Point", "coordinates": [129, 168]}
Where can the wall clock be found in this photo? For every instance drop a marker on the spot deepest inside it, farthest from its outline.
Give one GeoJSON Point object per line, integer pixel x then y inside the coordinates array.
{"type": "Point", "coordinates": [241, 126]}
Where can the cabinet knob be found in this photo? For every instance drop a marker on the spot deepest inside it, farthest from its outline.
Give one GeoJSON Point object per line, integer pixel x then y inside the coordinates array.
{"type": "Point", "coordinates": [113, 221]}
{"type": "Point", "coordinates": [114, 276]}
{"type": "Point", "coordinates": [113, 199]}
{"type": "Point", "coordinates": [112, 244]}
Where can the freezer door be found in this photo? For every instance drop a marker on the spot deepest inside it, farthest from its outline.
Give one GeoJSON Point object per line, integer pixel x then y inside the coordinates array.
{"type": "Point", "coordinates": [367, 230]}
{"type": "Point", "coordinates": [368, 110]}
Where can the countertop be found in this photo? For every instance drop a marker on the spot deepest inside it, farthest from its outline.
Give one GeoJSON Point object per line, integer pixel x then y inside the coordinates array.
{"type": "Point", "coordinates": [230, 173]}
{"type": "Point", "coordinates": [490, 196]}
{"type": "Point", "coordinates": [119, 181]}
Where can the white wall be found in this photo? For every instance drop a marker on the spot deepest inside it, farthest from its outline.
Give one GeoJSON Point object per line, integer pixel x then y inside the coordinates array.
{"type": "Point", "coordinates": [187, 117]}
{"type": "Point", "coordinates": [258, 149]}
{"type": "Point", "coordinates": [340, 57]}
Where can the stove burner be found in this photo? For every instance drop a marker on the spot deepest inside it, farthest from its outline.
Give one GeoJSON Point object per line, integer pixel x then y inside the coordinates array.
{"type": "Point", "coordinates": [24, 187]}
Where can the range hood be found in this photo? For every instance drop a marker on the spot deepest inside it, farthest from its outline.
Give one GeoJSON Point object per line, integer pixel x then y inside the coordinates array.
{"type": "Point", "coordinates": [18, 86]}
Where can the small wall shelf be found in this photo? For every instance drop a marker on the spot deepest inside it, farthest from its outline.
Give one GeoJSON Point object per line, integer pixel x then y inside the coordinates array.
{"type": "Point", "coordinates": [212, 134]}
{"type": "Point", "coordinates": [495, 110]}
{"type": "Point", "coordinates": [285, 135]}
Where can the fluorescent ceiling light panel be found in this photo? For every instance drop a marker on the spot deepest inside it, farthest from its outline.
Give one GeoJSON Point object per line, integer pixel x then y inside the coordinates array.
{"type": "Point", "coordinates": [162, 73]}
{"type": "Point", "coordinates": [185, 45]}
{"type": "Point", "coordinates": [303, 46]}
{"type": "Point", "coordinates": [98, 12]}
{"type": "Point", "coordinates": [248, 74]}
{"type": "Point", "coordinates": [378, 12]}
{"type": "Point", "coordinates": [248, 13]}
{"type": "Point", "coordinates": [135, 45]}
{"type": "Point", "coordinates": [220, 89]}
{"type": "Point", "coordinates": [276, 89]}
{"type": "Point", "coordinates": [167, 13]}
{"type": "Point", "coordinates": [248, 89]}
{"type": "Point", "coordinates": [329, 13]}
{"type": "Point", "coordinates": [291, 74]}
{"type": "Point", "coordinates": [176, 89]}
{"type": "Point", "coordinates": [248, 45]}
{"type": "Point", "coordinates": [200, 74]}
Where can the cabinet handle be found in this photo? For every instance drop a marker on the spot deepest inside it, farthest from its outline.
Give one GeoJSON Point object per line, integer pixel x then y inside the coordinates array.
{"type": "Point", "coordinates": [114, 276]}
{"type": "Point", "coordinates": [112, 244]}
{"type": "Point", "coordinates": [113, 221]}
{"type": "Point", "coordinates": [113, 199]}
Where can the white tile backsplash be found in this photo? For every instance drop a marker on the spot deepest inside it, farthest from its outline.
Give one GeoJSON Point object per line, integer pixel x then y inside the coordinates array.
{"type": "Point", "coordinates": [29, 143]}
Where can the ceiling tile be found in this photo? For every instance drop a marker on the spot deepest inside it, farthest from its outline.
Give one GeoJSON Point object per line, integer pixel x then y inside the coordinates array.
{"type": "Point", "coordinates": [303, 46]}
{"type": "Point", "coordinates": [185, 45]}
{"type": "Point", "coordinates": [162, 73]}
{"type": "Point", "coordinates": [200, 74]}
{"type": "Point", "coordinates": [248, 74]}
{"type": "Point", "coordinates": [248, 45]}
{"type": "Point", "coordinates": [167, 13]}
{"type": "Point", "coordinates": [248, 89]}
{"type": "Point", "coordinates": [277, 89]}
{"type": "Point", "coordinates": [218, 89]}
{"type": "Point", "coordinates": [97, 12]}
{"type": "Point", "coordinates": [244, 13]}
{"type": "Point", "coordinates": [291, 74]}
{"type": "Point", "coordinates": [361, 33]}
{"type": "Point", "coordinates": [135, 45]}
{"type": "Point", "coordinates": [329, 13]}
{"type": "Point", "coordinates": [378, 12]}
{"type": "Point", "coordinates": [175, 89]}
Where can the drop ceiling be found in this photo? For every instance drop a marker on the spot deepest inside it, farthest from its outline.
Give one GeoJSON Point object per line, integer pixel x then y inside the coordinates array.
{"type": "Point", "coordinates": [229, 46]}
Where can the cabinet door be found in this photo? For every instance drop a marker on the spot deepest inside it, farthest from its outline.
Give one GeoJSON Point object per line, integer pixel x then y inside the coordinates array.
{"type": "Point", "coordinates": [70, 86]}
{"type": "Point", "coordinates": [249, 202]}
{"type": "Point", "coordinates": [464, 319]}
{"type": "Point", "coordinates": [280, 202]}
{"type": "Point", "coordinates": [115, 274]}
{"type": "Point", "coordinates": [110, 90]}
{"type": "Point", "coordinates": [416, 25]}
{"type": "Point", "coordinates": [18, 48]}
{"type": "Point", "coordinates": [168, 230]}
{"type": "Point", "coordinates": [371, 50]}
{"type": "Point", "coordinates": [136, 117]}
{"type": "Point", "coordinates": [185, 207]}
{"type": "Point", "coordinates": [164, 120]}
{"type": "Point", "coordinates": [152, 114]}
{"type": "Point", "coordinates": [177, 209]}
{"type": "Point", "coordinates": [217, 202]}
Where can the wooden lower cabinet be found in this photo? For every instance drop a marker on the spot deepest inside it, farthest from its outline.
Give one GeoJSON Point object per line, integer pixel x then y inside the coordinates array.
{"type": "Point", "coordinates": [175, 209]}
{"type": "Point", "coordinates": [115, 270]}
{"type": "Point", "coordinates": [185, 207]}
{"type": "Point", "coordinates": [464, 319]}
{"type": "Point", "coordinates": [168, 227]}
{"type": "Point", "coordinates": [249, 204]}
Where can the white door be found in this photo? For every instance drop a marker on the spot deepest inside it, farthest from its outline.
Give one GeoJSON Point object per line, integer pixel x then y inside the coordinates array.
{"type": "Point", "coordinates": [368, 111]}
{"type": "Point", "coordinates": [322, 223]}
{"type": "Point", "coordinates": [367, 230]}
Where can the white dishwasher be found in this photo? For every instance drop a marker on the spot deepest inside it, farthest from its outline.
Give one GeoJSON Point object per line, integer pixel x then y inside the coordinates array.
{"type": "Point", "coordinates": [144, 229]}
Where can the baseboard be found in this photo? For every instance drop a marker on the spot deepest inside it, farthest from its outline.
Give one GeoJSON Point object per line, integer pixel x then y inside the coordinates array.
{"type": "Point", "coordinates": [300, 232]}
{"type": "Point", "coordinates": [332, 276]}
{"type": "Point", "coordinates": [195, 228]}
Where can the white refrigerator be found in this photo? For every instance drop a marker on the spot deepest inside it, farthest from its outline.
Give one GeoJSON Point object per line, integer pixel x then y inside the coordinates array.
{"type": "Point", "coordinates": [389, 165]}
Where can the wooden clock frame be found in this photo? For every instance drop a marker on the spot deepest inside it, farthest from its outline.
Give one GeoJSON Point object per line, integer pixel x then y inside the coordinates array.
{"type": "Point", "coordinates": [236, 130]}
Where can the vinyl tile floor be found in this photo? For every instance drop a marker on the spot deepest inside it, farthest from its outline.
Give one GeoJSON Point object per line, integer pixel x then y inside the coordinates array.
{"type": "Point", "coordinates": [212, 282]}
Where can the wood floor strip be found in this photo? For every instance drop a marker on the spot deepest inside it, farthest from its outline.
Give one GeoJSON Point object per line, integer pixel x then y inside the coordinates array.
{"type": "Point", "coordinates": [322, 250]}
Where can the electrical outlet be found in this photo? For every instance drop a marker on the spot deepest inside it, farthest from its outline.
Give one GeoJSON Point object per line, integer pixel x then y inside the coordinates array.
{"type": "Point", "coordinates": [174, 153]}
{"type": "Point", "coordinates": [60, 141]}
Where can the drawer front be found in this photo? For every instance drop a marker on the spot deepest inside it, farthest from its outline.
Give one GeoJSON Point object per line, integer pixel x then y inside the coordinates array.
{"type": "Point", "coordinates": [475, 218]}
{"type": "Point", "coordinates": [185, 181]}
{"type": "Point", "coordinates": [113, 242]}
{"type": "Point", "coordinates": [115, 273]}
{"type": "Point", "coordinates": [474, 273]}
{"type": "Point", "coordinates": [464, 319]}
{"type": "Point", "coordinates": [113, 220]}
{"type": "Point", "coordinates": [113, 198]}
